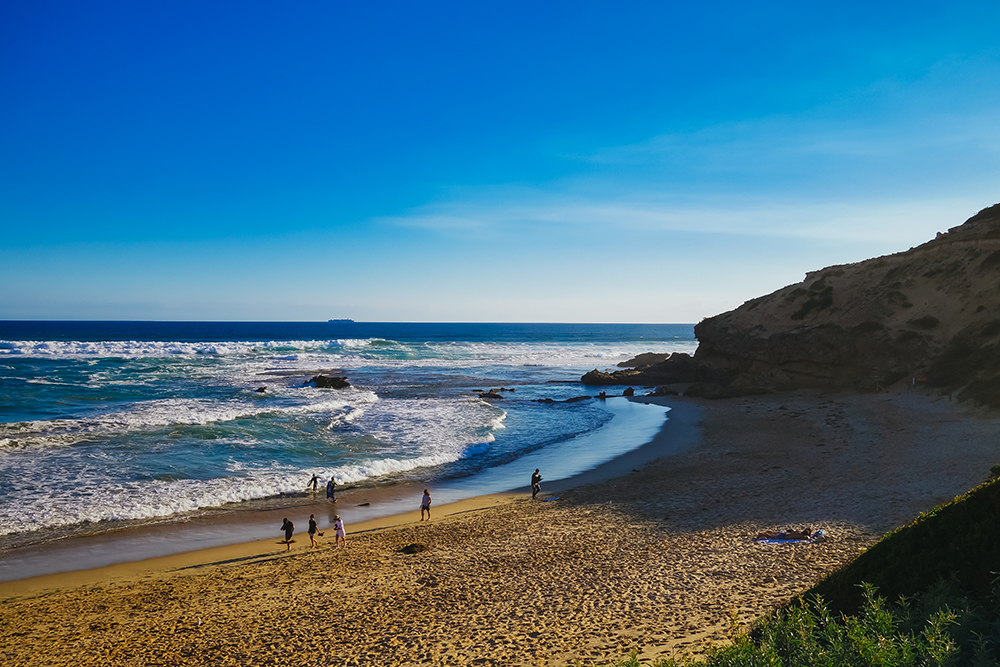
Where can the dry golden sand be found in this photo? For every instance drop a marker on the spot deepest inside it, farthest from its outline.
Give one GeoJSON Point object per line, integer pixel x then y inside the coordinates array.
{"type": "Point", "coordinates": [655, 560]}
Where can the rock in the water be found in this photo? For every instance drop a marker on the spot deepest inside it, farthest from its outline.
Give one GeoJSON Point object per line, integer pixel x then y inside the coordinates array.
{"type": "Point", "coordinates": [329, 382]}
{"type": "Point", "coordinates": [644, 359]}
{"type": "Point", "coordinates": [596, 378]}
{"type": "Point", "coordinates": [679, 367]}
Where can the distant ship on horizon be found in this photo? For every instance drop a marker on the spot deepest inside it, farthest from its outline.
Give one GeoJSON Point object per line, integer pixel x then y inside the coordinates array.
{"type": "Point", "coordinates": [346, 319]}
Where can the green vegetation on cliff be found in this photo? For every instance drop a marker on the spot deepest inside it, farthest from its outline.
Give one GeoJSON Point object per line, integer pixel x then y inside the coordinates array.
{"type": "Point", "coordinates": [958, 541]}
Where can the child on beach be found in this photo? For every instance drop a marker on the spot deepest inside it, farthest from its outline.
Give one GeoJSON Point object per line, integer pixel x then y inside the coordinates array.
{"type": "Point", "coordinates": [341, 538]}
{"type": "Point", "coordinates": [425, 505]}
{"type": "Point", "coordinates": [289, 528]}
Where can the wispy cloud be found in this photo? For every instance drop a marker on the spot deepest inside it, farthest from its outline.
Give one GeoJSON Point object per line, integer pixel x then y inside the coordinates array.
{"type": "Point", "coordinates": [880, 222]}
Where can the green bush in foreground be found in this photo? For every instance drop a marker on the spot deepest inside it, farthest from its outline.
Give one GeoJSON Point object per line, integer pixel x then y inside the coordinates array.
{"type": "Point", "coordinates": [941, 627]}
{"type": "Point", "coordinates": [959, 541]}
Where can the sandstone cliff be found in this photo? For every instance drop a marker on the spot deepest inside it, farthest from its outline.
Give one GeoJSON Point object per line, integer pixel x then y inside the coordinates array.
{"type": "Point", "coordinates": [930, 314]}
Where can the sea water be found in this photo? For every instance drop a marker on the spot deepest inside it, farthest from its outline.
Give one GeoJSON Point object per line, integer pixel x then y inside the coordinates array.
{"type": "Point", "coordinates": [105, 424]}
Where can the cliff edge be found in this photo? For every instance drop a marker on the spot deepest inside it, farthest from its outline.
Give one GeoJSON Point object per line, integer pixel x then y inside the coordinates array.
{"type": "Point", "coordinates": [928, 315]}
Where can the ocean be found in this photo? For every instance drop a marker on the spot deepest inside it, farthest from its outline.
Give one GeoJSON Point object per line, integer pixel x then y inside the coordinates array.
{"type": "Point", "coordinates": [111, 424]}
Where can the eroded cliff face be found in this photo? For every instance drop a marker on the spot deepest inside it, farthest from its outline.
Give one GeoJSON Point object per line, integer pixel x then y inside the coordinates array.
{"type": "Point", "coordinates": [930, 313]}
{"type": "Point", "coordinates": [870, 324]}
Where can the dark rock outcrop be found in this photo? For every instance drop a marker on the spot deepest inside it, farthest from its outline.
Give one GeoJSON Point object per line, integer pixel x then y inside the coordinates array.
{"type": "Point", "coordinates": [644, 359]}
{"type": "Point", "coordinates": [678, 367]}
{"type": "Point", "coordinates": [329, 382]}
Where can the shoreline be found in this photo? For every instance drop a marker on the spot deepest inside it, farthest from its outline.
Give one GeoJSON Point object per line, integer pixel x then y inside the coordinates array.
{"type": "Point", "coordinates": [658, 559]}
{"type": "Point", "coordinates": [678, 432]}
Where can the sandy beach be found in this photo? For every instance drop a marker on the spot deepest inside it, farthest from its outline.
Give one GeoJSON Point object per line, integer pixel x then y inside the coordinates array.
{"type": "Point", "coordinates": [651, 553]}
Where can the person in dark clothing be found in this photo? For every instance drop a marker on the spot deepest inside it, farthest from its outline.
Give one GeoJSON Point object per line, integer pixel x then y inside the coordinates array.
{"type": "Point", "coordinates": [535, 483]}
{"type": "Point", "coordinates": [313, 531]}
{"type": "Point", "coordinates": [289, 528]}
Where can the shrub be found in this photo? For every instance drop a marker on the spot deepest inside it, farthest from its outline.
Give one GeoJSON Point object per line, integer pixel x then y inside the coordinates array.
{"type": "Point", "coordinates": [940, 627]}
{"type": "Point", "coordinates": [959, 540]}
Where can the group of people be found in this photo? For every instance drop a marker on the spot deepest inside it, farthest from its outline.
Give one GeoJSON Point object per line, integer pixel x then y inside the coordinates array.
{"type": "Point", "coordinates": [331, 487]}
{"type": "Point", "coordinates": [338, 524]}
{"type": "Point", "coordinates": [340, 539]}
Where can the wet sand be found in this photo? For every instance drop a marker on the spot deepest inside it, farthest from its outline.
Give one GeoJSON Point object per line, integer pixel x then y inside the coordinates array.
{"type": "Point", "coordinates": [652, 554]}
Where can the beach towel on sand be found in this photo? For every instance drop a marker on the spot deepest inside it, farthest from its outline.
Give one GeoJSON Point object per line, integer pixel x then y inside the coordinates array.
{"type": "Point", "coordinates": [815, 537]}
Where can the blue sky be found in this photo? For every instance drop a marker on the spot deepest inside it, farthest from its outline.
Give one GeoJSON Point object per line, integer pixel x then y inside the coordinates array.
{"type": "Point", "coordinates": [431, 161]}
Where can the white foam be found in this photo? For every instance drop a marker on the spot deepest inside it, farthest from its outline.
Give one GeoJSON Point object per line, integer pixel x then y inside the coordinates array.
{"type": "Point", "coordinates": [352, 352]}
{"type": "Point", "coordinates": [412, 433]}
{"type": "Point", "coordinates": [88, 501]}
{"type": "Point", "coordinates": [176, 412]}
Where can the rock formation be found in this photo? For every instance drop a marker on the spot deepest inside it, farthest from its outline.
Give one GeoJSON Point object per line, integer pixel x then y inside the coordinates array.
{"type": "Point", "coordinates": [929, 315]}
{"type": "Point", "coordinates": [644, 359]}
{"type": "Point", "coordinates": [329, 382]}
{"type": "Point", "coordinates": [678, 367]}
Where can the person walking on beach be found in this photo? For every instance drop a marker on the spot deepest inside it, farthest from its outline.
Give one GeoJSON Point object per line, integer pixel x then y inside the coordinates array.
{"type": "Point", "coordinates": [425, 505]}
{"type": "Point", "coordinates": [535, 483]}
{"type": "Point", "coordinates": [331, 490]}
{"type": "Point", "coordinates": [341, 538]}
{"type": "Point", "coordinates": [289, 528]}
{"type": "Point", "coordinates": [313, 530]}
